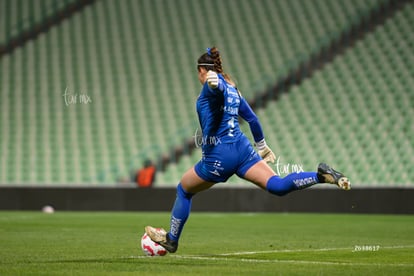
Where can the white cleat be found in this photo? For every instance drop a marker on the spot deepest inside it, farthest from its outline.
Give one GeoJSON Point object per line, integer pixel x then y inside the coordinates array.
{"type": "Point", "coordinates": [160, 236]}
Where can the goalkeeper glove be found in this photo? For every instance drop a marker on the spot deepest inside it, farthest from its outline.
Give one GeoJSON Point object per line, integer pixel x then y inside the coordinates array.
{"type": "Point", "coordinates": [212, 79]}
{"type": "Point", "coordinates": [265, 152]}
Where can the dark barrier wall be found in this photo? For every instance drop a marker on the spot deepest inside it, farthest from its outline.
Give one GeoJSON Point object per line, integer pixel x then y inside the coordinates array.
{"type": "Point", "coordinates": [385, 201]}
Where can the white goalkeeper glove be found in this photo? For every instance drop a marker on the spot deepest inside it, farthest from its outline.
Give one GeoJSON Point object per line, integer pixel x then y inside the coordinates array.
{"type": "Point", "coordinates": [265, 152]}
{"type": "Point", "coordinates": [212, 79]}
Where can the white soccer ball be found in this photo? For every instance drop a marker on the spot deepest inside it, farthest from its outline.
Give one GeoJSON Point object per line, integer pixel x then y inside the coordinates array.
{"type": "Point", "coordinates": [48, 209]}
{"type": "Point", "coordinates": [151, 248]}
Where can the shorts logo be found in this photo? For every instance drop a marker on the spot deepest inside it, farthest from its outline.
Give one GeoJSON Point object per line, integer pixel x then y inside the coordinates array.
{"type": "Point", "coordinates": [215, 172]}
{"type": "Point", "coordinates": [252, 155]}
{"type": "Point", "coordinates": [217, 166]}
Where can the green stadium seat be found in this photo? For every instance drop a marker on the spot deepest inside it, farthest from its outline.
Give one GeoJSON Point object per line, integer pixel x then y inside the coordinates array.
{"type": "Point", "coordinates": [140, 73]}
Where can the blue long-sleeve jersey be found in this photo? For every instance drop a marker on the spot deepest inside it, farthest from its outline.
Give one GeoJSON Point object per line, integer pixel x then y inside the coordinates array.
{"type": "Point", "coordinates": [218, 110]}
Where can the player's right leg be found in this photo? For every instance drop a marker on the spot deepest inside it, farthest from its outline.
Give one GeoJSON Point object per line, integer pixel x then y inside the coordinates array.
{"type": "Point", "coordinates": [190, 184]}
{"type": "Point", "coordinates": [263, 176]}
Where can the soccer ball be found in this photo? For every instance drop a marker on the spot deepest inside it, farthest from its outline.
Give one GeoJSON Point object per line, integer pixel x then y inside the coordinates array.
{"type": "Point", "coordinates": [151, 248]}
{"type": "Point", "coordinates": [48, 209]}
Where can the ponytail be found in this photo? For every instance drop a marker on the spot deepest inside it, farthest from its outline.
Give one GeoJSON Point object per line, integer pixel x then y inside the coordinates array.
{"type": "Point", "coordinates": [211, 60]}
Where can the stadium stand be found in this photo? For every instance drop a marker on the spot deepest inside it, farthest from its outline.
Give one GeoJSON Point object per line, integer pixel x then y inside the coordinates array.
{"type": "Point", "coordinates": [361, 134]}
{"type": "Point", "coordinates": [135, 61]}
{"type": "Point", "coordinates": [22, 21]}
{"type": "Point", "coordinates": [19, 15]}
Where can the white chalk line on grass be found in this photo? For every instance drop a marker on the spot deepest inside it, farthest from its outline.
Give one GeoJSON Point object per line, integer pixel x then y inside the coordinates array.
{"type": "Point", "coordinates": [281, 251]}
{"type": "Point", "coordinates": [291, 261]}
{"type": "Point", "coordinates": [226, 257]}
{"type": "Point", "coordinates": [307, 250]}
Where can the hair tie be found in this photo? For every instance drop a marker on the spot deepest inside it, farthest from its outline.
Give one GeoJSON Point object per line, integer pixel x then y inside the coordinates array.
{"type": "Point", "coordinates": [209, 52]}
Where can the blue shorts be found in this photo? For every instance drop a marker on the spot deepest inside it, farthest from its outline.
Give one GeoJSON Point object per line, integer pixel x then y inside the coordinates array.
{"type": "Point", "coordinates": [221, 161]}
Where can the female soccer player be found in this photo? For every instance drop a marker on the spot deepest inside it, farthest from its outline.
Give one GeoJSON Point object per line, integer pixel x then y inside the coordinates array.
{"type": "Point", "coordinates": [227, 151]}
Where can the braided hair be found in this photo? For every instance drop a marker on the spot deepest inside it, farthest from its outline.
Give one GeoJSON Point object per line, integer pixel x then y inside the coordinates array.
{"type": "Point", "coordinates": [211, 60]}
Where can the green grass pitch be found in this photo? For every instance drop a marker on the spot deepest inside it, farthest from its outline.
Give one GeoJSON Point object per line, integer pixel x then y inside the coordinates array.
{"type": "Point", "coordinates": [108, 243]}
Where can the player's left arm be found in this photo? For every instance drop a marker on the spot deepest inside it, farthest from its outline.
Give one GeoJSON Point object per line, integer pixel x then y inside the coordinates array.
{"type": "Point", "coordinates": [246, 112]}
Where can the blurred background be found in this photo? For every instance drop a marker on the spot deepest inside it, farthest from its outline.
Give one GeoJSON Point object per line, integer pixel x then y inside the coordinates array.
{"type": "Point", "coordinates": [90, 91]}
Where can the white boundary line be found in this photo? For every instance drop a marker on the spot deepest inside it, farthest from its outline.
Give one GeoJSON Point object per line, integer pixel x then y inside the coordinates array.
{"type": "Point", "coordinates": [309, 250]}
{"type": "Point", "coordinates": [226, 257]}
{"type": "Point", "coordinates": [292, 261]}
{"type": "Point", "coordinates": [281, 251]}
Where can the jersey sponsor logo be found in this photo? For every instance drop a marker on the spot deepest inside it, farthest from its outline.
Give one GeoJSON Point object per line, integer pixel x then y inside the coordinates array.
{"type": "Point", "coordinates": [230, 110]}
{"type": "Point", "coordinates": [233, 100]}
{"type": "Point", "coordinates": [232, 91]}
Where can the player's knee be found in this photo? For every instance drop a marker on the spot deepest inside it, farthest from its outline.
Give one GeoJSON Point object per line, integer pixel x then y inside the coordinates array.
{"type": "Point", "coordinates": [278, 192]}
{"type": "Point", "coordinates": [182, 193]}
{"type": "Point", "coordinates": [276, 186]}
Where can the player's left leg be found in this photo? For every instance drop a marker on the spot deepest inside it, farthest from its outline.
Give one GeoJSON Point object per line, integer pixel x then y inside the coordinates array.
{"type": "Point", "coordinates": [190, 184]}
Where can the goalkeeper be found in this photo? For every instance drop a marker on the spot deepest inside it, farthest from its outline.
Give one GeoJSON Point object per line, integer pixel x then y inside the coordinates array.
{"type": "Point", "coordinates": [227, 151]}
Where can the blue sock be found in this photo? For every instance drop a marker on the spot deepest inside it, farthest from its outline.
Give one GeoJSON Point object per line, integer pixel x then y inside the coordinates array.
{"type": "Point", "coordinates": [292, 182]}
{"type": "Point", "coordinates": [180, 213]}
